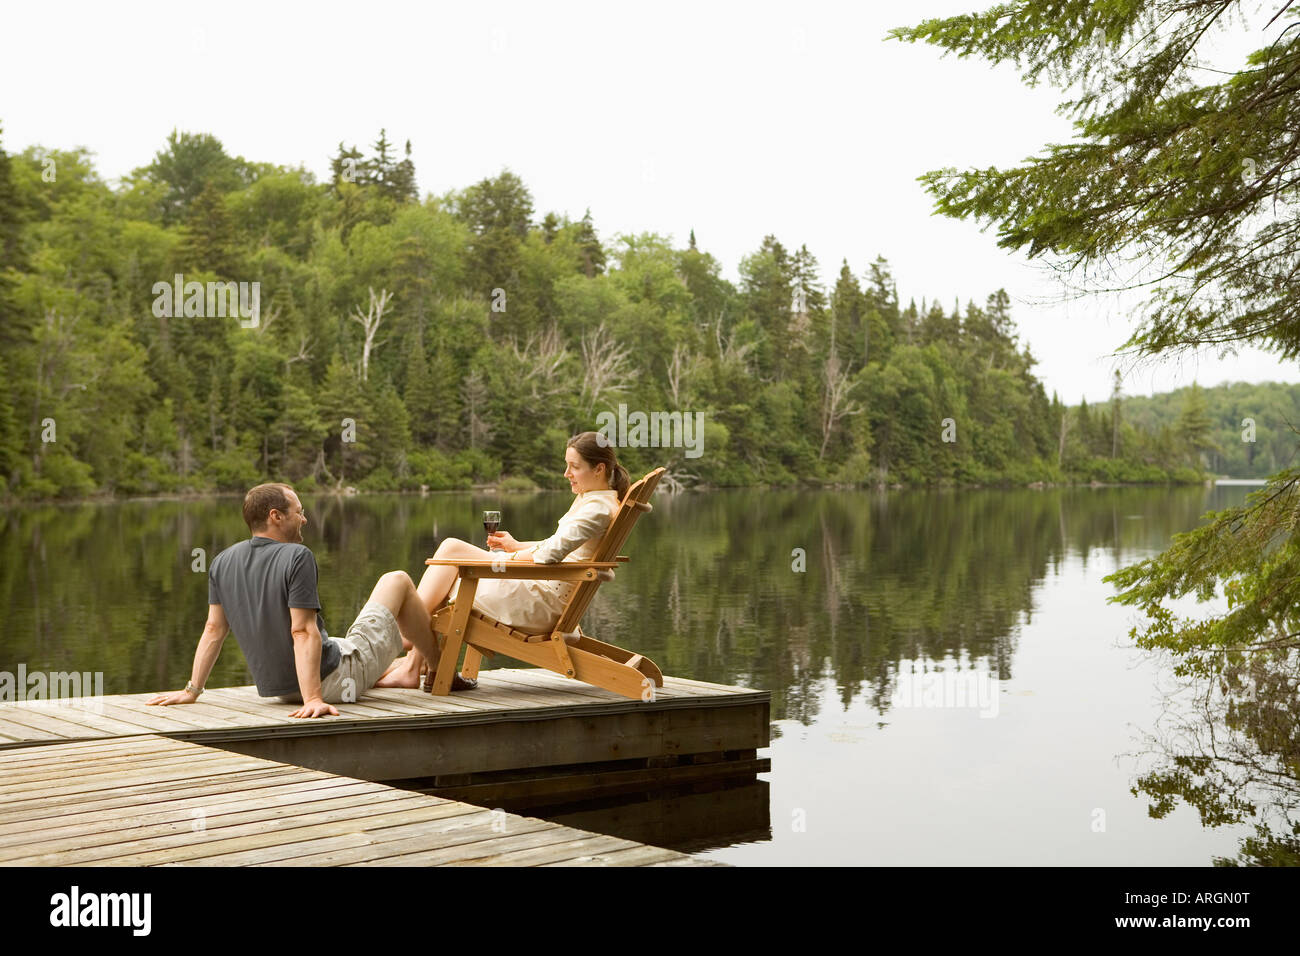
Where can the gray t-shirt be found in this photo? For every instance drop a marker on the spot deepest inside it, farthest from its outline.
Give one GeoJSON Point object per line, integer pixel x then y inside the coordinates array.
{"type": "Point", "coordinates": [256, 582]}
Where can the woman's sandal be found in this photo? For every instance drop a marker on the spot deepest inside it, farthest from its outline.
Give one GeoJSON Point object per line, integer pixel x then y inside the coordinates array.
{"type": "Point", "coordinates": [458, 682]}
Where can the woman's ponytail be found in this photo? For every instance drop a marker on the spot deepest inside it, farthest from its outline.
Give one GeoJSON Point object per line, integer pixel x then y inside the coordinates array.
{"type": "Point", "coordinates": [596, 450]}
{"type": "Point", "coordinates": [620, 480]}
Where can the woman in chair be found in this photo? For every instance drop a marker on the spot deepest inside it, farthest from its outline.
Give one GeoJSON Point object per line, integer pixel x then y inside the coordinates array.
{"type": "Point", "coordinates": [599, 483]}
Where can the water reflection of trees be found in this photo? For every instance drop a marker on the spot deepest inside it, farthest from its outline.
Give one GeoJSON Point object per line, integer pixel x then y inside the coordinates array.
{"type": "Point", "coordinates": [710, 592]}
{"type": "Point", "coordinates": [1230, 748]}
{"type": "Point", "coordinates": [940, 576]}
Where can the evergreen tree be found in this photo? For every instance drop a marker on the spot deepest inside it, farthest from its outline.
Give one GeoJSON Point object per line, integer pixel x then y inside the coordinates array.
{"type": "Point", "coordinates": [445, 411]}
{"type": "Point", "coordinates": [884, 321]}
{"type": "Point", "coordinates": [593, 256]}
{"type": "Point", "coordinates": [550, 228]}
{"type": "Point", "coordinates": [1115, 393]}
{"type": "Point", "coordinates": [401, 178]}
{"type": "Point", "coordinates": [209, 242]}
{"type": "Point", "coordinates": [1194, 426]}
{"type": "Point", "coordinates": [498, 212]}
{"type": "Point", "coordinates": [380, 164]}
{"type": "Point", "coordinates": [350, 446]}
{"type": "Point", "coordinates": [848, 315]}
{"type": "Point", "coordinates": [1083, 429]}
{"type": "Point", "coordinates": [420, 398]}
{"type": "Point", "coordinates": [347, 166]}
{"type": "Point", "coordinates": [767, 282]}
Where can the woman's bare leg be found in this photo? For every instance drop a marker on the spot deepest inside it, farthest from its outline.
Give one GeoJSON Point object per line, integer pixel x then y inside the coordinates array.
{"type": "Point", "coordinates": [433, 589]}
{"type": "Point", "coordinates": [436, 583]}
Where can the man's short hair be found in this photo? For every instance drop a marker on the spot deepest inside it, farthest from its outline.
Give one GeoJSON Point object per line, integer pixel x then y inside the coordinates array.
{"type": "Point", "coordinates": [260, 500]}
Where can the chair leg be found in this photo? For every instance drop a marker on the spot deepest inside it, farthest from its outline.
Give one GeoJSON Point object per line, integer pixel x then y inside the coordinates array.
{"type": "Point", "coordinates": [455, 637]}
{"type": "Point", "coordinates": [470, 667]}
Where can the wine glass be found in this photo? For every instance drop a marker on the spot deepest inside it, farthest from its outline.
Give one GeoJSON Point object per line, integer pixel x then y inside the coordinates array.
{"type": "Point", "coordinates": [491, 521]}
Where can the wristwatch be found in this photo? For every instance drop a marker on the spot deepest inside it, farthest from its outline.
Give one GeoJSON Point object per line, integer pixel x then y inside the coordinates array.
{"type": "Point", "coordinates": [191, 689]}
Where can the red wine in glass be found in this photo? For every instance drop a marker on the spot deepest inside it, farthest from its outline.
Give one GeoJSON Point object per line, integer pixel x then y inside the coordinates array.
{"type": "Point", "coordinates": [491, 521]}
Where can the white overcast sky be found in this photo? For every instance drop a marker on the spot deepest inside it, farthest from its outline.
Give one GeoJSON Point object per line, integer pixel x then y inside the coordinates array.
{"type": "Point", "coordinates": [735, 119]}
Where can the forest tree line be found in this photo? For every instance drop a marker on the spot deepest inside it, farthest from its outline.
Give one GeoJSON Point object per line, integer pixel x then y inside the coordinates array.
{"type": "Point", "coordinates": [460, 339]}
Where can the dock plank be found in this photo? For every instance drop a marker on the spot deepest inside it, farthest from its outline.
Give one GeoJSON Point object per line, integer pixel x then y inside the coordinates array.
{"type": "Point", "coordinates": [112, 804]}
{"type": "Point", "coordinates": [182, 830]}
{"type": "Point", "coordinates": [465, 844]}
{"type": "Point", "coordinates": [157, 847]}
{"type": "Point", "coordinates": [198, 714]}
{"type": "Point", "coordinates": [214, 810]}
{"type": "Point", "coordinates": [67, 750]}
{"type": "Point", "coordinates": [22, 734]}
{"type": "Point", "coordinates": [85, 712]}
{"type": "Point", "coordinates": [65, 728]}
{"type": "Point", "coordinates": [174, 770]}
{"type": "Point", "coordinates": [637, 856]}
{"type": "Point", "coordinates": [330, 850]}
{"type": "Point", "coordinates": [390, 843]}
{"type": "Point", "coordinates": [554, 852]}
{"type": "Point", "coordinates": [263, 708]}
{"type": "Point", "coordinates": [164, 790]}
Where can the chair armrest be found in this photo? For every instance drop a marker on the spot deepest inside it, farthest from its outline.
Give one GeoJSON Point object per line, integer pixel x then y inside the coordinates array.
{"type": "Point", "coordinates": [560, 571]}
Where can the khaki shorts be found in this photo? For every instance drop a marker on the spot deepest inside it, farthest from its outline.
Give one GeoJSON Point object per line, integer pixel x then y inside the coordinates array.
{"type": "Point", "coordinates": [371, 644]}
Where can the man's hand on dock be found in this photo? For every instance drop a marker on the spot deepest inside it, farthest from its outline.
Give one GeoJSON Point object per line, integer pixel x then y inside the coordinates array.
{"type": "Point", "coordinates": [175, 697]}
{"type": "Point", "coordinates": [315, 708]}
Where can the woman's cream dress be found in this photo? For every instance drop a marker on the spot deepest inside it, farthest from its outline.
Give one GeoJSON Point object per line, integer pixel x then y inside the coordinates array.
{"type": "Point", "coordinates": [535, 606]}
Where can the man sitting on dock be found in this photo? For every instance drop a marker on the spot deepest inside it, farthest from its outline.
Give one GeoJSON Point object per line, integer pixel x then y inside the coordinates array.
{"type": "Point", "coordinates": [265, 590]}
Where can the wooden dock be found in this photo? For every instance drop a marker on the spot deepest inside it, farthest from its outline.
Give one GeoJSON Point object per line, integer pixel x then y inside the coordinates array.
{"type": "Point", "coordinates": [525, 718]}
{"type": "Point", "coordinates": [151, 801]}
{"type": "Point", "coordinates": [234, 780]}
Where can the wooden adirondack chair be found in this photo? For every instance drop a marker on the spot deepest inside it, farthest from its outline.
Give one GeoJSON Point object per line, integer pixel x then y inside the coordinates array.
{"type": "Point", "coordinates": [565, 649]}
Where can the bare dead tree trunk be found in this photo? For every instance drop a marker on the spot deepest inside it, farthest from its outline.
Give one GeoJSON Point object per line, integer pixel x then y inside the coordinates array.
{"type": "Point", "coordinates": [543, 357]}
{"type": "Point", "coordinates": [729, 351]}
{"type": "Point", "coordinates": [680, 366]}
{"type": "Point", "coordinates": [271, 315]}
{"type": "Point", "coordinates": [1065, 430]}
{"type": "Point", "coordinates": [370, 322]}
{"type": "Point", "coordinates": [604, 365]}
{"type": "Point", "coordinates": [836, 404]}
{"type": "Point", "coordinates": [303, 354]}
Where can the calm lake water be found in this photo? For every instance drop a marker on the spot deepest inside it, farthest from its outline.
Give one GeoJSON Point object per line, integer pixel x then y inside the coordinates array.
{"type": "Point", "coordinates": [949, 684]}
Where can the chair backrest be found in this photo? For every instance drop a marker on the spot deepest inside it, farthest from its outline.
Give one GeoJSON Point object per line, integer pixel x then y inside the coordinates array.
{"type": "Point", "coordinates": [634, 504]}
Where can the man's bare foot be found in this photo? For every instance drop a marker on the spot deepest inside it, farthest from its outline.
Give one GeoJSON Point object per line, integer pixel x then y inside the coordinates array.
{"type": "Point", "coordinates": [404, 673]}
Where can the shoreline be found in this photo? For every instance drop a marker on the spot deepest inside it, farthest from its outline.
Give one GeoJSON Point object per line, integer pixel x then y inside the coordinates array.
{"type": "Point", "coordinates": [351, 492]}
